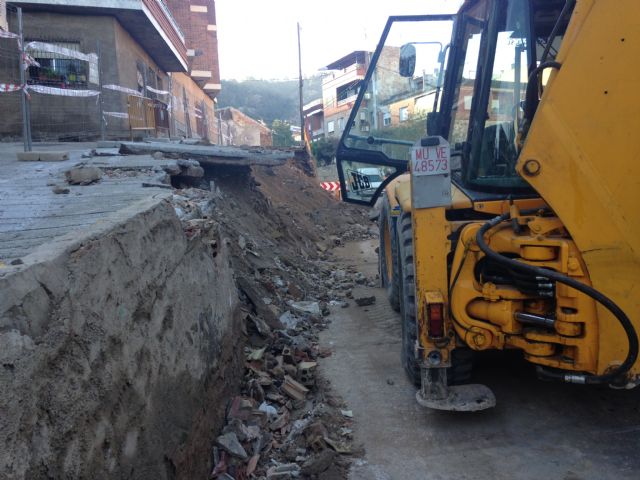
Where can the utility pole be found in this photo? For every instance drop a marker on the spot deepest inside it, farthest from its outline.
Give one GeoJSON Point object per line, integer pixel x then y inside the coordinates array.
{"type": "Point", "coordinates": [300, 86]}
{"type": "Point", "coordinates": [26, 109]}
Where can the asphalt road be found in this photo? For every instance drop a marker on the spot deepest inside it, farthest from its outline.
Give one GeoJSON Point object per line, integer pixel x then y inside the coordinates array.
{"type": "Point", "coordinates": [538, 430]}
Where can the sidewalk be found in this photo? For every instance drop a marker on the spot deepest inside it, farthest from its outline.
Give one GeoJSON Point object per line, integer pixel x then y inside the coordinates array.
{"type": "Point", "coordinates": [31, 214]}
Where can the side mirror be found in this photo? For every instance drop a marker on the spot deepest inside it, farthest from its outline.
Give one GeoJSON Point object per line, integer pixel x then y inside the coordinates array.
{"type": "Point", "coordinates": [407, 60]}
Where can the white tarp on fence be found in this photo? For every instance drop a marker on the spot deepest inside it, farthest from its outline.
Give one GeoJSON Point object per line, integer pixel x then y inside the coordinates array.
{"type": "Point", "coordinates": [65, 92]}
{"type": "Point", "coordinates": [118, 88]}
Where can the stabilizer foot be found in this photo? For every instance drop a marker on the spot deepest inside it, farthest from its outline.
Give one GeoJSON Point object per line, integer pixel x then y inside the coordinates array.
{"type": "Point", "coordinates": [460, 398]}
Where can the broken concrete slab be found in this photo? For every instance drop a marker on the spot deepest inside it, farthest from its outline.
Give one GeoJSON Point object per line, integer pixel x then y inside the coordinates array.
{"type": "Point", "coordinates": [108, 144]}
{"type": "Point", "coordinates": [132, 162]}
{"type": "Point", "coordinates": [211, 154]}
{"type": "Point", "coordinates": [107, 152]}
{"type": "Point", "coordinates": [261, 309]}
{"type": "Point", "coordinates": [42, 156]}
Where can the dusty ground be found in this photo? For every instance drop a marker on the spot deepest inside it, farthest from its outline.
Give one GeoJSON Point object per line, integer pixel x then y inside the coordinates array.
{"type": "Point", "coordinates": [538, 430]}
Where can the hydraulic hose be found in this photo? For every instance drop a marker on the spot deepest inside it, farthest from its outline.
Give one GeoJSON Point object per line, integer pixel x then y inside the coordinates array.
{"type": "Point", "coordinates": [606, 302]}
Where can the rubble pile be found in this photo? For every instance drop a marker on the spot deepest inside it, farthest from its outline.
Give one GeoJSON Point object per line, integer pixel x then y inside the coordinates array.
{"type": "Point", "coordinates": [285, 423]}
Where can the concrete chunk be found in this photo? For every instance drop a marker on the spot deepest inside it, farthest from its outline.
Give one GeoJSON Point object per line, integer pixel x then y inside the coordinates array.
{"type": "Point", "coordinates": [196, 172]}
{"type": "Point", "coordinates": [229, 442]}
{"type": "Point", "coordinates": [42, 156]}
{"type": "Point", "coordinates": [83, 175]}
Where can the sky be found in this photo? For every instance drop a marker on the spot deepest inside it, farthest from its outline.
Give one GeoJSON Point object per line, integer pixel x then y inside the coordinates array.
{"type": "Point", "coordinates": [258, 38]}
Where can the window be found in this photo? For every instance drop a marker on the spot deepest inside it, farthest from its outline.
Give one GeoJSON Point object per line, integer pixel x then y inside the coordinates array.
{"type": "Point", "coordinates": [386, 119]}
{"type": "Point", "coordinates": [494, 149]}
{"type": "Point", "coordinates": [340, 124]}
{"type": "Point", "coordinates": [331, 127]}
{"type": "Point", "coordinates": [347, 91]}
{"type": "Point", "coordinates": [466, 72]}
{"type": "Point", "coordinates": [59, 72]}
{"type": "Point", "coordinates": [404, 114]}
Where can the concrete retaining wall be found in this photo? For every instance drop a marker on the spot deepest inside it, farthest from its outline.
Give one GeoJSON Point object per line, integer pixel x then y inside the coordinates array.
{"type": "Point", "coordinates": [112, 362]}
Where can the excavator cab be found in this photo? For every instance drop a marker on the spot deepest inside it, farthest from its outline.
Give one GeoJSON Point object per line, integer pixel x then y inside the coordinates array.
{"type": "Point", "coordinates": [481, 245]}
{"type": "Point", "coordinates": [462, 77]}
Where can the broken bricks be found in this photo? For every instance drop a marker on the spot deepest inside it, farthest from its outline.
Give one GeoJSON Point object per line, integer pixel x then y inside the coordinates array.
{"type": "Point", "coordinates": [307, 373]}
{"type": "Point", "coordinates": [295, 390]}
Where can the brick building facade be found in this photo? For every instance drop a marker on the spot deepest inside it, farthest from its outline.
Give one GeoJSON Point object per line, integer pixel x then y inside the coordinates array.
{"type": "Point", "coordinates": [164, 51]}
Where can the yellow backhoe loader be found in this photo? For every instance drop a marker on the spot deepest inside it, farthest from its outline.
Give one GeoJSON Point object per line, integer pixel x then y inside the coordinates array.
{"type": "Point", "coordinates": [507, 137]}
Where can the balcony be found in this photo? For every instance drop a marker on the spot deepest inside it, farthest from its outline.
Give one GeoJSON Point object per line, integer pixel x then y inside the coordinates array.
{"type": "Point", "coordinates": [149, 22]}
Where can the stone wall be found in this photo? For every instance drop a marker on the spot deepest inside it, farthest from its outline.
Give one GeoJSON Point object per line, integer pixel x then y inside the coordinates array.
{"type": "Point", "coordinates": [114, 351]}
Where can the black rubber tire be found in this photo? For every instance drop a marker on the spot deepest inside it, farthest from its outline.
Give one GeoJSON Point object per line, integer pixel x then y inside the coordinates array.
{"type": "Point", "coordinates": [408, 298]}
{"type": "Point", "coordinates": [388, 260]}
{"type": "Point", "coordinates": [459, 373]}
{"type": "Point", "coordinates": [461, 358]}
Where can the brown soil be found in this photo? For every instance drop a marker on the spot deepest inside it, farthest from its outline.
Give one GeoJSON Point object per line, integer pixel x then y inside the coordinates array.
{"type": "Point", "coordinates": [280, 227]}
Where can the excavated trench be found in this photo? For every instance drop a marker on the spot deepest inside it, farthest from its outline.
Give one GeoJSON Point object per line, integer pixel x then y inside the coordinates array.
{"type": "Point", "coordinates": [121, 349]}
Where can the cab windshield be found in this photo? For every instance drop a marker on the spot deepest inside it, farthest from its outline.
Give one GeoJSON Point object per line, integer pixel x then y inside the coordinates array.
{"type": "Point", "coordinates": [490, 95]}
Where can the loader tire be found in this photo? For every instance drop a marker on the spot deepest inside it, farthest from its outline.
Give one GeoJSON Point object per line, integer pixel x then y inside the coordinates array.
{"type": "Point", "coordinates": [388, 255]}
{"type": "Point", "coordinates": [408, 298]}
{"type": "Point", "coordinates": [461, 358]}
{"type": "Point", "coordinates": [459, 373]}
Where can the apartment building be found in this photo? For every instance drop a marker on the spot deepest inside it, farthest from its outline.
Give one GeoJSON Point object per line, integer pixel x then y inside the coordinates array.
{"type": "Point", "coordinates": [340, 87]}
{"type": "Point", "coordinates": [164, 51]}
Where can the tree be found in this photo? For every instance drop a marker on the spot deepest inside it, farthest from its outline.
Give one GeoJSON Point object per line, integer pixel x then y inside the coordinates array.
{"type": "Point", "coordinates": [324, 150]}
{"type": "Point", "coordinates": [282, 134]}
{"type": "Point", "coordinates": [268, 100]}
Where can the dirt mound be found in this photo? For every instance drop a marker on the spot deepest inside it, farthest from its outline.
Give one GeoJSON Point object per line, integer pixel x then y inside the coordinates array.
{"type": "Point", "coordinates": [280, 227]}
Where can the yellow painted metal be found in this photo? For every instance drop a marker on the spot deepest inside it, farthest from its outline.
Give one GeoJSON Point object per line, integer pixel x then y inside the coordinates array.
{"type": "Point", "coordinates": [402, 192]}
{"type": "Point", "coordinates": [537, 252]}
{"type": "Point", "coordinates": [485, 314]}
{"type": "Point", "coordinates": [430, 248]}
{"type": "Point", "coordinates": [498, 207]}
{"type": "Point", "coordinates": [585, 138]}
{"type": "Point", "coordinates": [390, 190]}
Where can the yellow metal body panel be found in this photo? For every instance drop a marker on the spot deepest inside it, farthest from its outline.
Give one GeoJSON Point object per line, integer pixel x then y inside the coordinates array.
{"type": "Point", "coordinates": [390, 190]}
{"type": "Point", "coordinates": [430, 248]}
{"type": "Point", "coordinates": [585, 138]}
